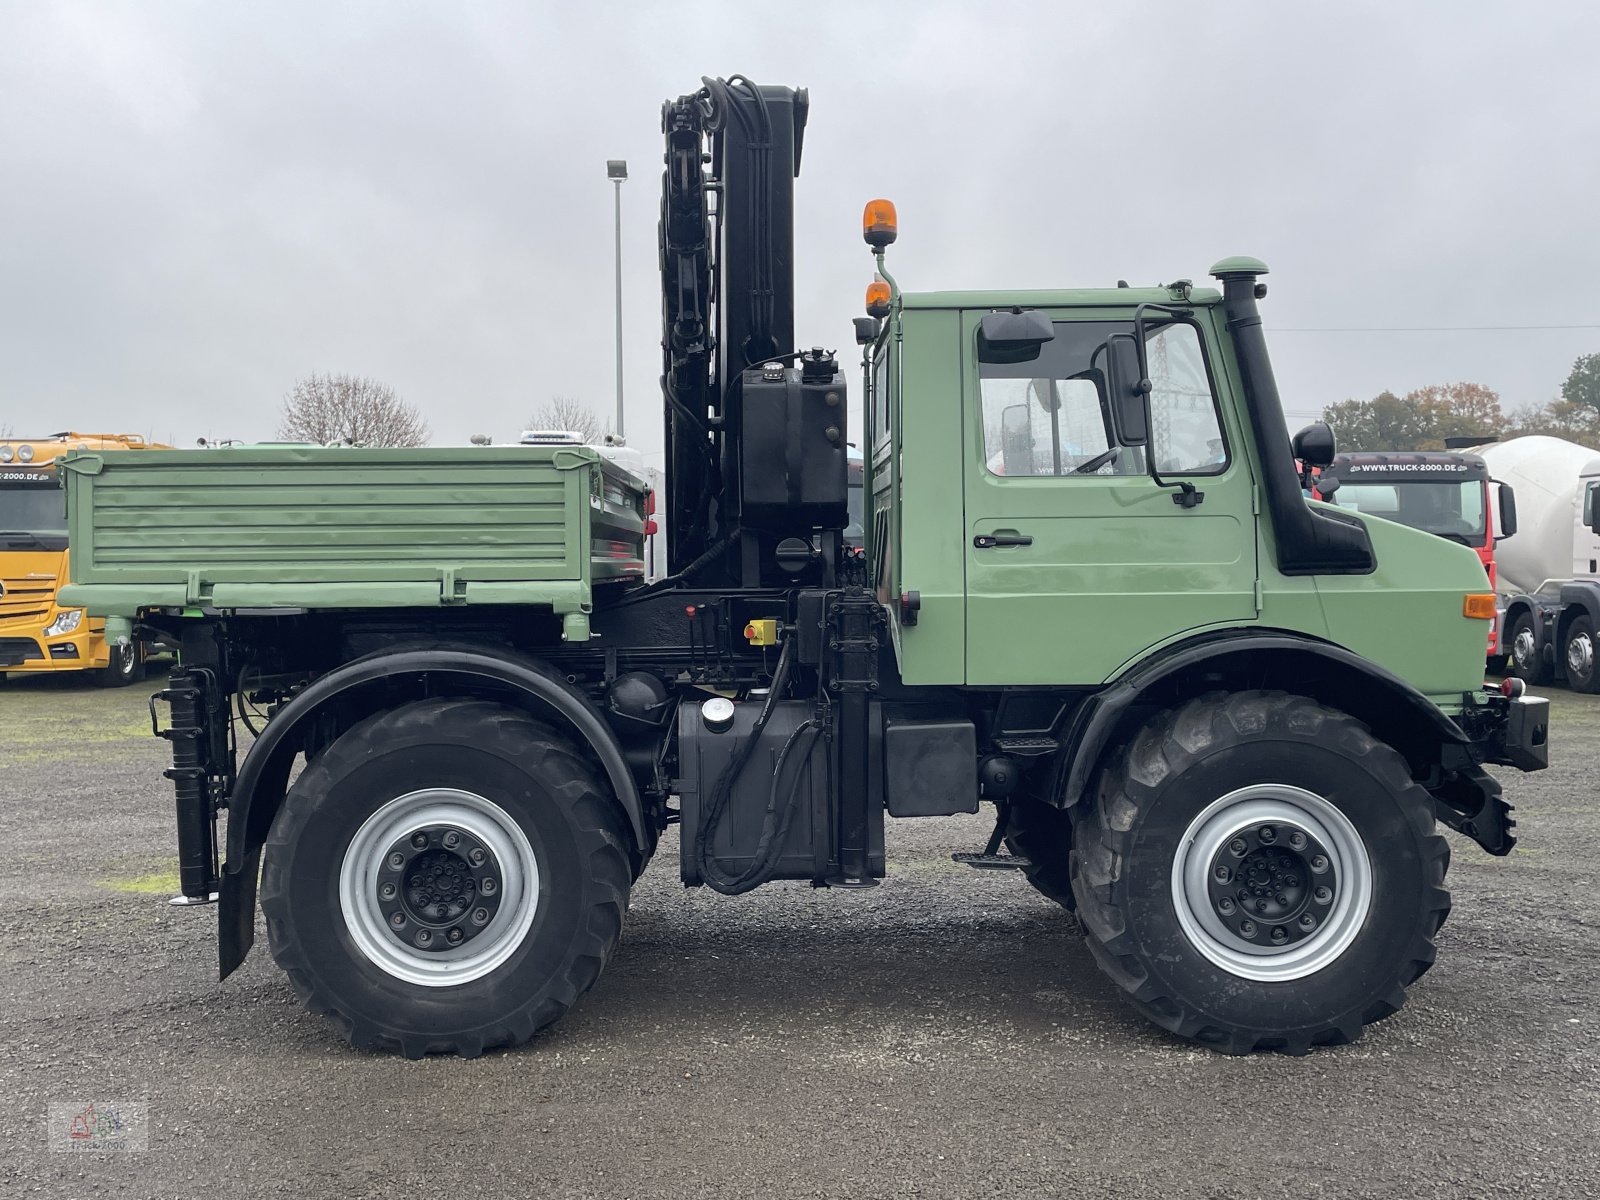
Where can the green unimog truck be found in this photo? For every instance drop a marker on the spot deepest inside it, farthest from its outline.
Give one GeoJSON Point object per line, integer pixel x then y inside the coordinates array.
{"type": "Point", "coordinates": [1219, 721]}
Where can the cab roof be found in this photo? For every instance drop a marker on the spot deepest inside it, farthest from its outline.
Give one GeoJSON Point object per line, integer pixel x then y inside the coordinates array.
{"type": "Point", "coordinates": [1113, 297]}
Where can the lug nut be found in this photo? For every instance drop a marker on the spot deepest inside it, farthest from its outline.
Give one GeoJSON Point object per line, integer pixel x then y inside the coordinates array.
{"type": "Point", "coordinates": [1261, 905]}
{"type": "Point", "coordinates": [1279, 933]}
{"type": "Point", "coordinates": [488, 887]}
{"type": "Point", "coordinates": [454, 937]}
{"type": "Point", "coordinates": [1322, 895]}
{"type": "Point", "coordinates": [420, 841]}
{"type": "Point", "coordinates": [1222, 873]}
{"type": "Point", "coordinates": [1248, 928]}
{"type": "Point", "coordinates": [1297, 840]}
{"type": "Point", "coordinates": [387, 891]}
{"type": "Point", "coordinates": [1238, 847]}
{"type": "Point", "coordinates": [476, 856]}
{"type": "Point", "coordinates": [397, 860]}
{"type": "Point", "coordinates": [1225, 906]}
{"type": "Point", "coordinates": [1267, 834]}
{"type": "Point", "coordinates": [1307, 921]}
{"type": "Point", "coordinates": [424, 937]}
{"type": "Point", "coordinates": [1282, 898]}
{"type": "Point", "coordinates": [452, 839]}
{"type": "Point", "coordinates": [1319, 863]}
{"type": "Point", "coordinates": [397, 920]}
{"type": "Point", "coordinates": [480, 916]}
{"type": "Point", "coordinates": [1291, 881]}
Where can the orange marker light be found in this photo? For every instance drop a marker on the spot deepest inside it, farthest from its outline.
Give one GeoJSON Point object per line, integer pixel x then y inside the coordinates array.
{"type": "Point", "coordinates": [878, 297]}
{"type": "Point", "coordinates": [879, 225]}
{"type": "Point", "coordinates": [1479, 605]}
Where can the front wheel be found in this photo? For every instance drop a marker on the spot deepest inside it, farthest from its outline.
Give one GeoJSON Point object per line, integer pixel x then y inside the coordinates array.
{"type": "Point", "coordinates": [1261, 873]}
{"type": "Point", "coordinates": [448, 876]}
{"type": "Point", "coordinates": [125, 668]}
{"type": "Point", "coordinates": [1580, 651]}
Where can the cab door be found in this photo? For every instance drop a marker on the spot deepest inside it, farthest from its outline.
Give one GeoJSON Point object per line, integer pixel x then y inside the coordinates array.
{"type": "Point", "coordinates": [1077, 561]}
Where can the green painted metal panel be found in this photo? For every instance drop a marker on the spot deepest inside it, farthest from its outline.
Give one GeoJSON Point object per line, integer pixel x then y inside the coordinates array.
{"type": "Point", "coordinates": [315, 527]}
{"type": "Point", "coordinates": [1114, 566]}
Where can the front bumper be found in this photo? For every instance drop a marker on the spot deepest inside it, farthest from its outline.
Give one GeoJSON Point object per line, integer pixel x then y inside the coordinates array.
{"type": "Point", "coordinates": [27, 650]}
{"type": "Point", "coordinates": [1504, 731]}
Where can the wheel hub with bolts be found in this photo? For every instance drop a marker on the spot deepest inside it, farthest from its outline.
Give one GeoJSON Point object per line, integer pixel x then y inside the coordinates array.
{"type": "Point", "coordinates": [1523, 648]}
{"type": "Point", "coordinates": [1274, 885]}
{"type": "Point", "coordinates": [1271, 882]}
{"type": "Point", "coordinates": [1580, 656]}
{"type": "Point", "coordinates": [439, 887]}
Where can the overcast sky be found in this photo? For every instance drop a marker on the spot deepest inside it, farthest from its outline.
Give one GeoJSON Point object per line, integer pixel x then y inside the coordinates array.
{"type": "Point", "coordinates": [203, 202]}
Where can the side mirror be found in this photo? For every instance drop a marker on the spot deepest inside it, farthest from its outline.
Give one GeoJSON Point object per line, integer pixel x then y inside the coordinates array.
{"type": "Point", "coordinates": [1013, 335]}
{"type": "Point", "coordinates": [1314, 445]}
{"type": "Point", "coordinates": [1326, 485]}
{"type": "Point", "coordinates": [1128, 391]}
{"type": "Point", "coordinates": [1508, 510]}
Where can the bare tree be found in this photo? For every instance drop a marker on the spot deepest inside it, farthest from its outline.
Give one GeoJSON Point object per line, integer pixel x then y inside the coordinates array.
{"type": "Point", "coordinates": [349, 408]}
{"type": "Point", "coordinates": [571, 415]}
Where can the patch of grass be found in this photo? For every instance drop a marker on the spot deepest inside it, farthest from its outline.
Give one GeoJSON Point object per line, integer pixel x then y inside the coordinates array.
{"type": "Point", "coordinates": [157, 883]}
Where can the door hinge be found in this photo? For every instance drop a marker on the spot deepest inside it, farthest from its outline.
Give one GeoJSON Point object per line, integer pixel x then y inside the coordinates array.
{"type": "Point", "coordinates": [1260, 597]}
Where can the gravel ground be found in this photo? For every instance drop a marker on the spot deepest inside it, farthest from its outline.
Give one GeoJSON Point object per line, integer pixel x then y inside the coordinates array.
{"type": "Point", "coordinates": [944, 1034]}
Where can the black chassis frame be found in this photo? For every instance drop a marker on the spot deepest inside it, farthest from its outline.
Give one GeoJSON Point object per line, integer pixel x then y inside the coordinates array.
{"type": "Point", "coordinates": [318, 673]}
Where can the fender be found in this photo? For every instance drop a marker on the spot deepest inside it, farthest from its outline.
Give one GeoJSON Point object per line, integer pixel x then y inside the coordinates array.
{"type": "Point", "coordinates": [1266, 658]}
{"type": "Point", "coordinates": [263, 778]}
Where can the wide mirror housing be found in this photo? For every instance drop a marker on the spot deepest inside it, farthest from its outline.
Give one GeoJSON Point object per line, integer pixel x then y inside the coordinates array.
{"type": "Point", "coordinates": [1128, 390]}
{"type": "Point", "coordinates": [1315, 445]}
{"type": "Point", "coordinates": [1013, 335]}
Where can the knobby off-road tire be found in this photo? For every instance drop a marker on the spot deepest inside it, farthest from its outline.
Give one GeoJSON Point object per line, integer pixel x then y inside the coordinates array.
{"type": "Point", "coordinates": [462, 824]}
{"type": "Point", "coordinates": [1330, 822]}
{"type": "Point", "coordinates": [1042, 834]}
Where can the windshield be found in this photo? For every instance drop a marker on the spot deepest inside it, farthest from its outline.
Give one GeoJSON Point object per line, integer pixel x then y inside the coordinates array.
{"type": "Point", "coordinates": [1453, 510]}
{"type": "Point", "coordinates": [33, 512]}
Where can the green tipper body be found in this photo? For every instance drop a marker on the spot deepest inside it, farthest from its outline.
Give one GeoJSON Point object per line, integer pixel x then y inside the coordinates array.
{"type": "Point", "coordinates": [328, 528]}
{"type": "Point", "coordinates": [1115, 570]}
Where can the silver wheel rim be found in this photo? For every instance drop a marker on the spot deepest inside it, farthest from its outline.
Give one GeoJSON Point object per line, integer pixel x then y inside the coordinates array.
{"type": "Point", "coordinates": [1580, 656]}
{"type": "Point", "coordinates": [1522, 648]}
{"type": "Point", "coordinates": [366, 859]}
{"type": "Point", "coordinates": [1286, 808]}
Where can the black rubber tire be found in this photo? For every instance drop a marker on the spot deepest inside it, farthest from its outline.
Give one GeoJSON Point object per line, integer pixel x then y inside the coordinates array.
{"type": "Point", "coordinates": [1125, 849]}
{"type": "Point", "coordinates": [125, 668]}
{"type": "Point", "coordinates": [1590, 683]}
{"type": "Point", "coordinates": [577, 832]}
{"type": "Point", "coordinates": [1042, 834]}
{"type": "Point", "coordinates": [1536, 671]}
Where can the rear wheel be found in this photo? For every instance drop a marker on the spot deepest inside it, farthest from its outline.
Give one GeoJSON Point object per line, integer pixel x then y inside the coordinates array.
{"type": "Point", "coordinates": [1042, 834]}
{"type": "Point", "coordinates": [449, 876]}
{"type": "Point", "coordinates": [1526, 655]}
{"type": "Point", "coordinates": [1260, 873]}
{"type": "Point", "coordinates": [1579, 655]}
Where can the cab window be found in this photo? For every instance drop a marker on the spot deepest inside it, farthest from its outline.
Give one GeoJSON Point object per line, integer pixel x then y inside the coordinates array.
{"type": "Point", "coordinates": [1049, 416]}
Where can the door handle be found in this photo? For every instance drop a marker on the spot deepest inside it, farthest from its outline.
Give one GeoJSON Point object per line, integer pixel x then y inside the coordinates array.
{"type": "Point", "coordinates": [987, 541]}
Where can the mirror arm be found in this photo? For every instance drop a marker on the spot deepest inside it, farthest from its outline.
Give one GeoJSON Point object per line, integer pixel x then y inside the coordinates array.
{"type": "Point", "coordinates": [1185, 495]}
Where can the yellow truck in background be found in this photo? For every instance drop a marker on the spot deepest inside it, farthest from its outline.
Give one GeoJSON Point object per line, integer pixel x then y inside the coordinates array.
{"type": "Point", "coordinates": [36, 633]}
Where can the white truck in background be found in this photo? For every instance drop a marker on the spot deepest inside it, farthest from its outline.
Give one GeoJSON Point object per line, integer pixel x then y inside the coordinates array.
{"type": "Point", "coordinates": [1549, 574]}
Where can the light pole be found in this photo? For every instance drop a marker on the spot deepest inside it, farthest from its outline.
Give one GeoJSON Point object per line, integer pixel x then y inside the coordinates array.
{"type": "Point", "coordinates": [617, 171]}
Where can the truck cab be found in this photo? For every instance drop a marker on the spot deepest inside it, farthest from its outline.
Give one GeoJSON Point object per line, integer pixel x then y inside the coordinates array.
{"type": "Point", "coordinates": [38, 634]}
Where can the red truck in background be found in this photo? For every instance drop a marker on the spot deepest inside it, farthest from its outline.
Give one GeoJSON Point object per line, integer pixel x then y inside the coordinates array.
{"type": "Point", "coordinates": [1445, 493]}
